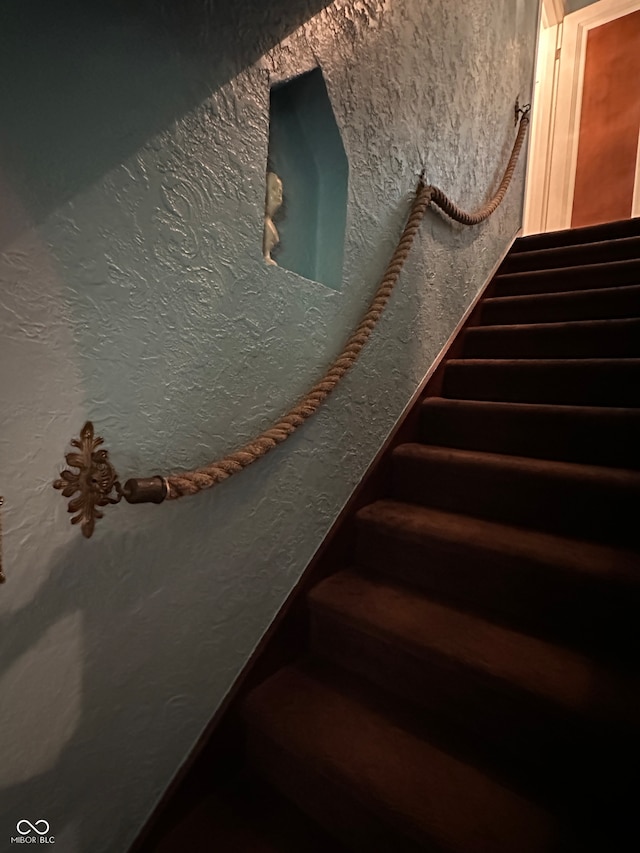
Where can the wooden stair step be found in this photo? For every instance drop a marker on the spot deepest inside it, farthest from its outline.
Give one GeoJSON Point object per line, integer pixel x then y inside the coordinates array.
{"type": "Point", "coordinates": [377, 785]}
{"type": "Point", "coordinates": [584, 277]}
{"type": "Point", "coordinates": [624, 248]}
{"type": "Point", "coordinates": [607, 303]}
{"type": "Point", "coordinates": [580, 339]}
{"type": "Point", "coordinates": [246, 816]}
{"type": "Point", "coordinates": [510, 668]}
{"type": "Point", "coordinates": [578, 382]}
{"type": "Point", "coordinates": [618, 229]}
{"type": "Point", "coordinates": [582, 594]}
{"type": "Point", "coordinates": [536, 707]}
{"type": "Point", "coordinates": [568, 498]}
{"type": "Point", "coordinates": [595, 435]}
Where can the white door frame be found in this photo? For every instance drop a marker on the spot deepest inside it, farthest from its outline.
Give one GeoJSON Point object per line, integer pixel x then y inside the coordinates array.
{"type": "Point", "coordinates": [559, 109]}
{"type": "Point", "coordinates": [543, 116]}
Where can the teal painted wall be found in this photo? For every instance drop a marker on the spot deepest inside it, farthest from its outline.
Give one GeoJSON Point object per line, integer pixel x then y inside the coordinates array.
{"type": "Point", "coordinates": [307, 154]}
{"type": "Point", "coordinates": [133, 292]}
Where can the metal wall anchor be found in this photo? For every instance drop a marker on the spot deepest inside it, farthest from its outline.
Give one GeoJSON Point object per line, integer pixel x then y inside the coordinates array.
{"type": "Point", "coordinates": [96, 480]}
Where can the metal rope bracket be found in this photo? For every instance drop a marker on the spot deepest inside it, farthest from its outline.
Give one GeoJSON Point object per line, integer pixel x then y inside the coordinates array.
{"type": "Point", "coordinates": [96, 480]}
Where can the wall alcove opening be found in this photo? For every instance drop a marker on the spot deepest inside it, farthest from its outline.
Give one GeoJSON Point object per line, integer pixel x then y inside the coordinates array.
{"type": "Point", "coordinates": [307, 154]}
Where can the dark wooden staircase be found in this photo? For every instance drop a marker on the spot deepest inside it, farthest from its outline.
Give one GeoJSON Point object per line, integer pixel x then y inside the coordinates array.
{"type": "Point", "coordinates": [458, 670]}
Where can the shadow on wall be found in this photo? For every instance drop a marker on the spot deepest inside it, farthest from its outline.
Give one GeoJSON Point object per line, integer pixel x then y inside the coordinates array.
{"type": "Point", "coordinates": [86, 85]}
{"type": "Point", "coordinates": [59, 790]}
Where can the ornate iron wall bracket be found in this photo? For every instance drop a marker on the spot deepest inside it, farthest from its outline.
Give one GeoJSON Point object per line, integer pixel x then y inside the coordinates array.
{"type": "Point", "coordinates": [96, 480]}
{"type": "Point", "coordinates": [96, 483]}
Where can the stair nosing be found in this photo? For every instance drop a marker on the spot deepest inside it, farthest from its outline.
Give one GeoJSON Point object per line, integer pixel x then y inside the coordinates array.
{"type": "Point", "coordinates": [549, 326]}
{"type": "Point", "coordinates": [517, 463]}
{"type": "Point", "coordinates": [566, 233]}
{"type": "Point", "coordinates": [561, 295]}
{"type": "Point", "coordinates": [583, 362]}
{"type": "Point", "coordinates": [600, 244]}
{"type": "Point", "coordinates": [569, 270]}
{"type": "Point", "coordinates": [598, 411]}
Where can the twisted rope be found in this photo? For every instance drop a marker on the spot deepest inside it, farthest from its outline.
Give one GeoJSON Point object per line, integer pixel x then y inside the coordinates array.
{"type": "Point", "coordinates": [191, 482]}
{"type": "Point", "coordinates": [454, 212]}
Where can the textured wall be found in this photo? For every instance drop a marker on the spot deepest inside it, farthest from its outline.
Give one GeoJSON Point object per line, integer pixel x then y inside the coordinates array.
{"type": "Point", "coordinates": [134, 293]}
{"type": "Point", "coordinates": [574, 5]}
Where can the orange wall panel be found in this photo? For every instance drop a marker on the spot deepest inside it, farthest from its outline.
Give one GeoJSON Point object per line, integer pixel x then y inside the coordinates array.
{"type": "Point", "coordinates": [609, 124]}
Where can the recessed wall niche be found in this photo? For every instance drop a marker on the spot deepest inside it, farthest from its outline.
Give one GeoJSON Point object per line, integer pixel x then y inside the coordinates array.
{"type": "Point", "coordinates": [307, 154]}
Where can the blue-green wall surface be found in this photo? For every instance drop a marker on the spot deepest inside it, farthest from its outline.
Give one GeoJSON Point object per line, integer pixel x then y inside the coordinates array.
{"type": "Point", "coordinates": [133, 292]}
{"type": "Point", "coordinates": [307, 154]}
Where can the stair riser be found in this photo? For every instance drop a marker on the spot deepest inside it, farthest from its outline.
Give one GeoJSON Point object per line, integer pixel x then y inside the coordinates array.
{"type": "Point", "coordinates": [590, 614]}
{"type": "Point", "coordinates": [521, 733]}
{"type": "Point", "coordinates": [572, 256]}
{"type": "Point", "coordinates": [598, 509]}
{"type": "Point", "coordinates": [331, 803]}
{"type": "Point", "coordinates": [616, 303]}
{"type": "Point", "coordinates": [563, 434]}
{"type": "Point", "coordinates": [591, 277]}
{"type": "Point", "coordinates": [580, 384]}
{"type": "Point", "coordinates": [579, 236]}
{"type": "Point", "coordinates": [621, 340]}
{"type": "Point", "coordinates": [595, 254]}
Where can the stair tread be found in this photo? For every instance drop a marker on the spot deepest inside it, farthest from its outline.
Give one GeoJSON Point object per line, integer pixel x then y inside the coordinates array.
{"type": "Point", "coordinates": [524, 464]}
{"type": "Point", "coordinates": [580, 363]}
{"type": "Point", "coordinates": [424, 791]}
{"type": "Point", "coordinates": [630, 242]}
{"type": "Point", "coordinates": [213, 819]}
{"type": "Point", "coordinates": [568, 325]}
{"type": "Point", "coordinates": [600, 412]}
{"type": "Point", "coordinates": [412, 621]}
{"type": "Point", "coordinates": [577, 270]}
{"type": "Point", "coordinates": [600, 435]}
{"type": "Point", "coordinates": [618, 338]}
{"type": "Point", "coordinates": [520, 543]}
{"type": "Point", "coordinates": [594, 502]}
{"type": "Point", "coordinates": [592, 303]}
{"type": "Point", "coordinates": [560, 297]}
{"type": "Point", "coordinates": [248, 817]}
{"type": "Point", "coordinates": [578, 236]}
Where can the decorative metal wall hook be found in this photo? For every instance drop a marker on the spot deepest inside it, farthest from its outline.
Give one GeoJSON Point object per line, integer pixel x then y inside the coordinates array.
{"type": "Point", "coordinates": [96, 480]}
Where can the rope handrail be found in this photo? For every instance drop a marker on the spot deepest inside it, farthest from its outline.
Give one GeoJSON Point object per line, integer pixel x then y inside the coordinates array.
{"type": "Point", "coordinates": [173, 486]}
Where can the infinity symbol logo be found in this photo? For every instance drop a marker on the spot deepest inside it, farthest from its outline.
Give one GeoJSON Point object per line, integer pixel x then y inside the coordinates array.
{"type": "Point", "coordinates": [32, 827]}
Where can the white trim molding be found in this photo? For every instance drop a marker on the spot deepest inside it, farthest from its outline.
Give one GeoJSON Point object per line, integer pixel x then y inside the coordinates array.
{"type": "Point", "coordinates": [568, 107]}
{"type": "Point", "coordinates": [543, 114]}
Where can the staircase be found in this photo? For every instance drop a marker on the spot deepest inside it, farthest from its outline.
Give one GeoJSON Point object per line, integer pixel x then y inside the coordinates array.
{"type": "Point", "coordinates": [466, 680]}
